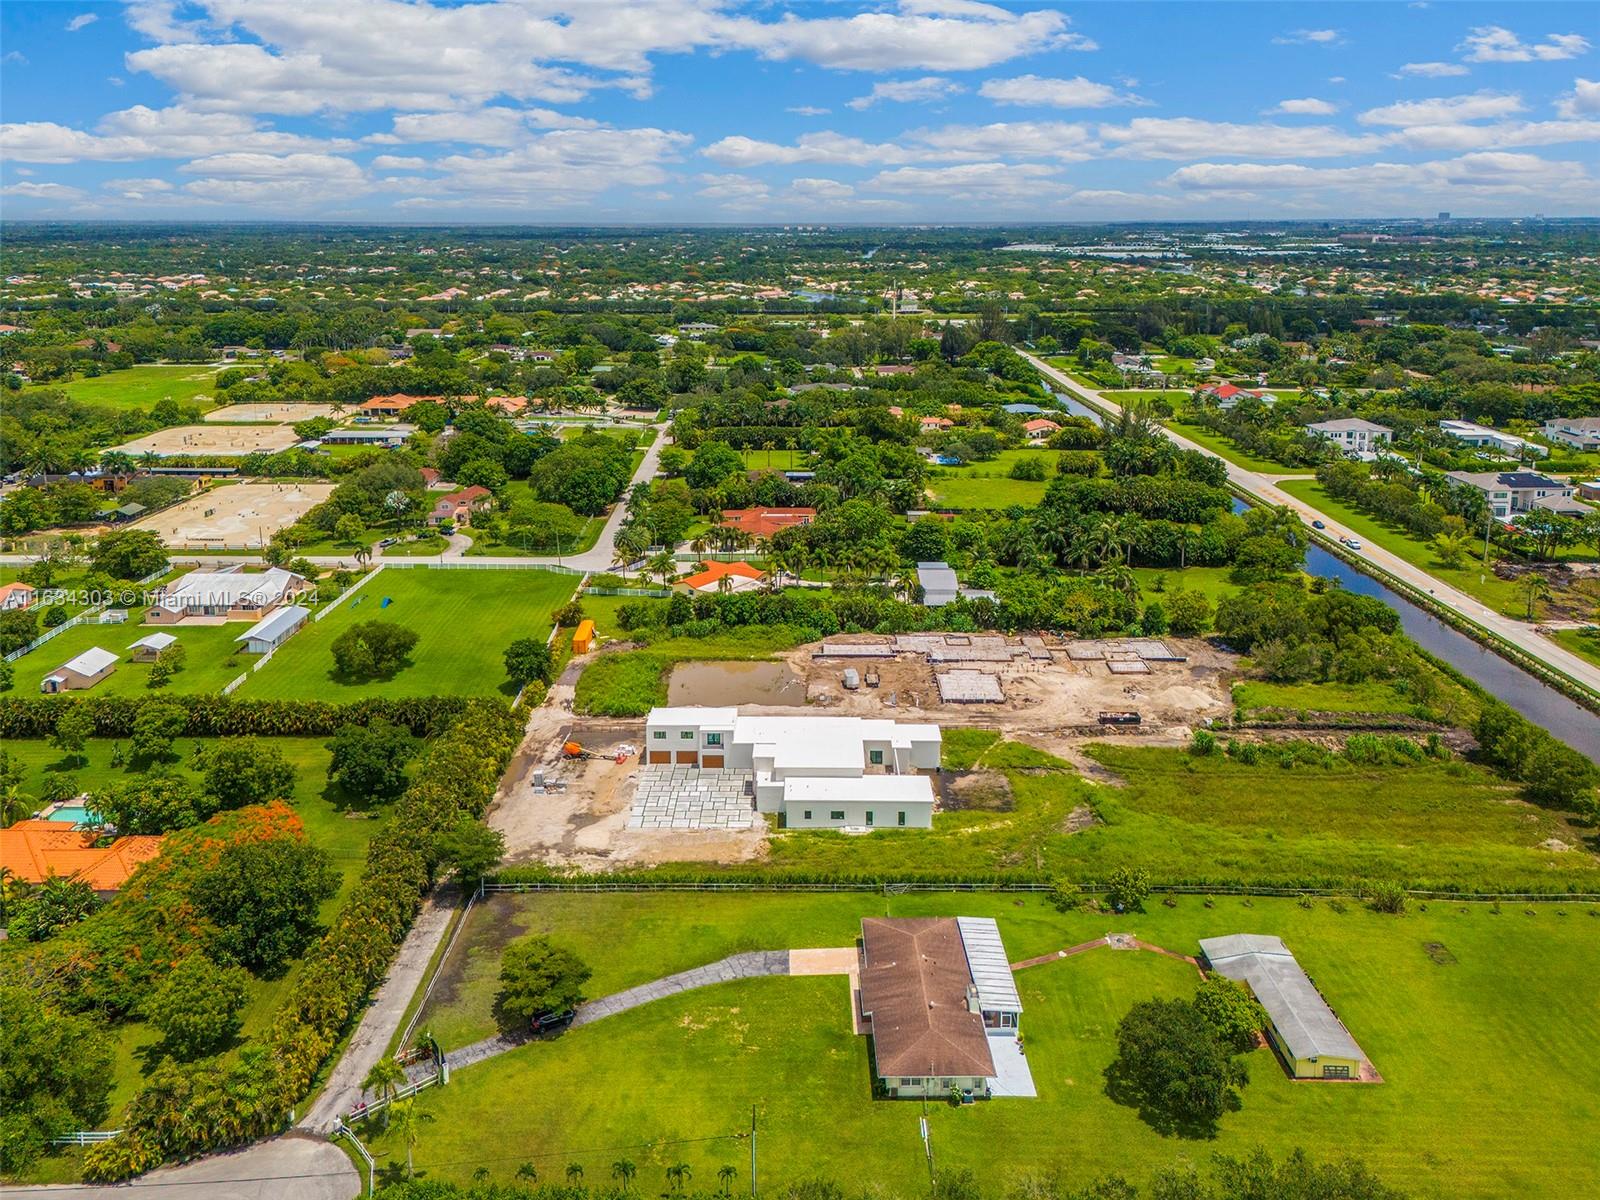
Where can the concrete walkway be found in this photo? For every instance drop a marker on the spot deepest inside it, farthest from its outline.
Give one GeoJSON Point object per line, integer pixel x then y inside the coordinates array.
{"type": "Point", "coordinates": [753, 964]}
{"type": "Point", "coordinates": [1263, 488]}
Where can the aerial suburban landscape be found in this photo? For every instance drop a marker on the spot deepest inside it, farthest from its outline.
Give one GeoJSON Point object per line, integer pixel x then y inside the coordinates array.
{"type": "Point", "coordinates": [847, 603]}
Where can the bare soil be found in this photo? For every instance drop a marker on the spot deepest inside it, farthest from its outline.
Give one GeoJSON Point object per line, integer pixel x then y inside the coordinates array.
{"type": "Point", "coordinates": [1051, 705]}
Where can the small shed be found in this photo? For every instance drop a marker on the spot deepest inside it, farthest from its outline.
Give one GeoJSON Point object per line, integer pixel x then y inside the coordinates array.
{"type": "Point", "coordinates": [583, 637]}
{"type": "Point", "coordinates": [76, 674]}
{"type": "Point", "coordinates": [149, 647]}
{"type": "Point", "coordinates": [112, 616]}
{"type": "Point", "coordinates": [128, 512]}
{"type": "Point", "coordinates": [273, 629]}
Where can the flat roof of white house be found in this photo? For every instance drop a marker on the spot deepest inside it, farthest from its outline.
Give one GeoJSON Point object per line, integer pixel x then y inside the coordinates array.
{"type": "Point", "coordinates": [1349, 425]}
{"type": "Point", "coordinates": [1299, 1013]}
{"type": "Point", "coordinates": [229, 587]}
{"type": "Point", "coordinates": [822, 741]}
{"type": "Point", "coordinates": [274, 623]}
{"type": "Point", "coordinates": [694, 714]}
{"type": "Point", "coordinates": [91, 662]}
{"type": "Point", "coordinates": [991, 969]}
{"type": "Point", "coordinates": [153, 641]}
{"type": "Point", "coordinates": [889, 789]}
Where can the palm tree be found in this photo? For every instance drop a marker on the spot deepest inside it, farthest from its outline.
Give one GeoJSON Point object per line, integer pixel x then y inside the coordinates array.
{"type": "Point", "coordinates": [726, 1174]}
{"type": "Point", "coordinates": [574, 1173]}
{"type": "Point", "coordinates": [623, 1170]}
{"type": "Point", "coordinates": [480, 1175]}
{"type": "Point", "coordinates": [385, 1080]}
{"type": "Point", "coordinates": [662, 565]}
{"type": "Point", "coordinates": [408, 1123]}
{"type": "Point", "coordinates": [1535, 587]}
{"type": "Point", "coordinates": [528, 1173]}
{"type": "Point", "coordinates": [679, 1174]}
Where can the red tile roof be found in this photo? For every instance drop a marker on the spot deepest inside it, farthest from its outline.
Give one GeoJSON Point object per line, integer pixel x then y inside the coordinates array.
{"type": "Point", "coordinates": [719, 570]}
{"type": "Point", "coordinates": [35, 850]}
{"type": "Point", "coordinates": [764, 522]}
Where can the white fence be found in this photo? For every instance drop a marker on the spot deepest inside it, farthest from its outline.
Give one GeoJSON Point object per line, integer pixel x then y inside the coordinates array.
{"type": "Point", "coordinates": [364, 1110]}
{"type": "Point", "coordinates": [81, 618]}
{"type": "Point", "coordinates": [84, 1137]}
{"type": "Point", "coordinates": [463, 564]}
{"type": "Point", "coordinates": [350, 591]}
{"type": "Point", "coordinates": [234, 685]}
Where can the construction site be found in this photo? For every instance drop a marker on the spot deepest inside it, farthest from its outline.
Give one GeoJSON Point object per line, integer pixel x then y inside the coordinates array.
{"type": "Point", "coordinates": [578, 795]}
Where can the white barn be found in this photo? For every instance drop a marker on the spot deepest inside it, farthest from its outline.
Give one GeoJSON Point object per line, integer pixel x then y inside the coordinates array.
{"type": "Point", "coordinates": [273, 629]}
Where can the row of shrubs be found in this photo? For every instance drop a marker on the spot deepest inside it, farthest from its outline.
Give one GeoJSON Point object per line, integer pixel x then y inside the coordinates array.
{"type": "Point", "coordinates": [222, 1102]}
{"type": "Point", "coordinates": [213, 715]}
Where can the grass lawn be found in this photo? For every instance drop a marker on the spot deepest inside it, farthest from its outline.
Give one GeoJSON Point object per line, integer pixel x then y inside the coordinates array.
{"type": "Point", "coordinates": [211, 661]}
{"type": "Point", "coordinates": [142, 386]}
{"type": "Point", "coordinates": [649, 1084]}
{"type": "Point", "coordinates": [775, 460]}
{"type": "Point", "coordinates": [989, 484]}
{"type": "Point", "coordinates": [1217, 821]}
{"type": "Point", "coordinates": [1499, 594]}
{"type": "Point", "coordinates": [631, 684]}
{"type": "Point", "coordinates": [466, 619]}
{"type": "Point", "coordinates": [1371, 697]}
{"type": "Point", "coordinates": [1575, 640]}
{"type": "Point", "coordinates": [1217, 444]}
{"type": "Point", "coordinates": [1211, 582]}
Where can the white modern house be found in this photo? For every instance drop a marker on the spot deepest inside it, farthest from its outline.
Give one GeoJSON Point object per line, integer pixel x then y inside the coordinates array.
{"type": "Point", "coordinates": [1482, 436]}
{"type": "Point", "coordinates": [1511, 493]}
{"type": "Point", "coordinates": [1357, 438]}
{"type": "Point", "coordinates": [1581, 433]}
{"type": "Point", "coordinates": [817, 772]}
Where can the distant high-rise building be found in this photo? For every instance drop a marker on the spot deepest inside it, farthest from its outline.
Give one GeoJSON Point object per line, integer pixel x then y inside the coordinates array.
{"type": "Point", "coordinates": [1444, 216]}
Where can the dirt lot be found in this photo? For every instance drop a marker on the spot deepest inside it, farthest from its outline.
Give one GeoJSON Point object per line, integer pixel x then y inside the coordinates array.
{"type": "Point", "coordinates": [1052, 705]}
{"type": "Point", "coordinates": [1040, 697]}
{"type": "Point", "coordinates": [235, 515]}
{"type": "Point", "coordinates": [279, 413]}
{"type": "Point", "coordinates": [212, 439]}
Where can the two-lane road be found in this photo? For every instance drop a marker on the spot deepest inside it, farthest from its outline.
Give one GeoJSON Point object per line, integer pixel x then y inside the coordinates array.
{"type": "Point", "coordinates": [1261, 487]}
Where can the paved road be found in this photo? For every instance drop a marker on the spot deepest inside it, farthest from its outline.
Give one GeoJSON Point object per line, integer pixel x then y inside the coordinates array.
{"type": "Point", "coordinates": [292, 1167]}
{"type": "Point", "coordinates": [382, 1019]}
{"type": "Point", "coordinates": [1262, 487]}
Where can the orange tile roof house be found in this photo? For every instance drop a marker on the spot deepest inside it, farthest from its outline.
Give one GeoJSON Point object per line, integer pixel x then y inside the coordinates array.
{"type": "Point", "coordinates": [935, 422]}
{"type": "Point", "coordinates": [36, 850]}
{"type": "Point", "coordinates": [1039, 428]}
{"type": "Point", "coordinates": [16, 595]}
{"type": "Point", "coordinates": [741, 576]}
{"type": "Point", "coordinates": [459, 506]}
{"type": "Point", "coordinates": [764, 522]}
{"type": "Point", "coordinates": [390, 406]}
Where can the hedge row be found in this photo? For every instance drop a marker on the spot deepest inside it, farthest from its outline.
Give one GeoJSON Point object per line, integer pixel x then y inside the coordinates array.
{"type": "Point", "coordinates": [221, 1102]}
{"type": "Point", "coordinates": [223, 716]}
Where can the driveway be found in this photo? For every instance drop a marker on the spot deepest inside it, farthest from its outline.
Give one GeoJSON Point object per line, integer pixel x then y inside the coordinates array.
{"type": "Point", "coordinates": [292, 1167]}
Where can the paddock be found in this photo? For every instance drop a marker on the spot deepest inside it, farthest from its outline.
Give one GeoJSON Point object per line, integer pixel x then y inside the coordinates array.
{"type": "Point", "coordinates": [277, 412]}
{"type": "Point", "coordinates": [239, 440]}
{"type": "Point", "coordinates": [237, 515]}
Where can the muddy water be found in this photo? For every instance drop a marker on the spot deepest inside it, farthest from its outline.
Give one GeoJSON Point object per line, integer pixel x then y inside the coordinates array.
{"type": "Point", "coordinates": [734, 683]}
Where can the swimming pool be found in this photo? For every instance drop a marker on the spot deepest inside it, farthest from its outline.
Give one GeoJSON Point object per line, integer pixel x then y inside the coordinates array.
{"type": "Point", "coordinates": [76, 813]}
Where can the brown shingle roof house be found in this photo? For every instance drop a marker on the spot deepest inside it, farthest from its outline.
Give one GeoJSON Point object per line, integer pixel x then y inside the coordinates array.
{"type": "Point", "coordinates": [918, 994]}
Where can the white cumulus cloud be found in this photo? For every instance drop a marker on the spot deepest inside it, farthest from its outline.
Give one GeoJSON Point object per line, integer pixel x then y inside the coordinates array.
{"type": "Point", "coordinates": [1432, 70]}
{"type": "Point", "coordinates": [1494, 43]}
{"type": "Point", "coordinates": [1077, 92]}
{"type": "Point", "coordinates": [1309, 106]}
{"type": "Point", "coordinates": [1443, 110]}
{"type": "Point", "coordinates": [1585, 98]}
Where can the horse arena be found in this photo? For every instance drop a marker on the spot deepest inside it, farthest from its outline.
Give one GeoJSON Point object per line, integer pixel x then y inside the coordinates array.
{"type": "Point", "coordinates": [279, 412]}
{"type": "Point", "coordinates": [236, 515]}
{"type": "Point", "coordinates": [181, 440]}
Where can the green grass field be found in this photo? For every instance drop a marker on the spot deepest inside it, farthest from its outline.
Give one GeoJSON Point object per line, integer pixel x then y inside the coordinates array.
{"type": "Point", "coordinates": [775, 460]}
{"type": "Point", "coordinates": [989, 484]}
{"type": "Point", "coordinates": [1503, 993]}
{"type": "Point", "coordinates": [211, 659]}
{"type": "Point", "coordinates": [1575, 641]}
{"type": "Point", "coordinates": [1220, 445]}
{"type": "Point", "coordinates": [1216, 821]}
{"type": "Point", "coordinates": [142, 386]}
{"type": "Point", "coordinates": [466, 619]}
{"type": "Point", "coordinates": [1211, 582]}
{"type": "Point", "coordinates": [1499, 594]}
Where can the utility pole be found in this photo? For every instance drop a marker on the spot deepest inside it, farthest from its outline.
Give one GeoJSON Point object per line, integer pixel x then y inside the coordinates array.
{"type": "Point", "coordinates": [752, 1151]}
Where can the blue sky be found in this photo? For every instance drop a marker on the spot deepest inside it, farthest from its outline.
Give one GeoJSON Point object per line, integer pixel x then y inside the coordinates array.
{"type": "Point", "coordinates": [717, 110]}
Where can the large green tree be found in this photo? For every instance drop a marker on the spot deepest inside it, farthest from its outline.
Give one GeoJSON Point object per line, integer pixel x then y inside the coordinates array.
{"type": "Point", "coordinates": [197, 1006]}
{"type": "Point", "coordinates": [247, 770]}
{"type": "Point", "coordinates": [55, 1076]}
{"type": "Point", "coordinates": [264, 899]}
{"type": "Point", "coordinates": [538, 977]}
{"type": "Point", "coordinates": [1173, 1068]}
